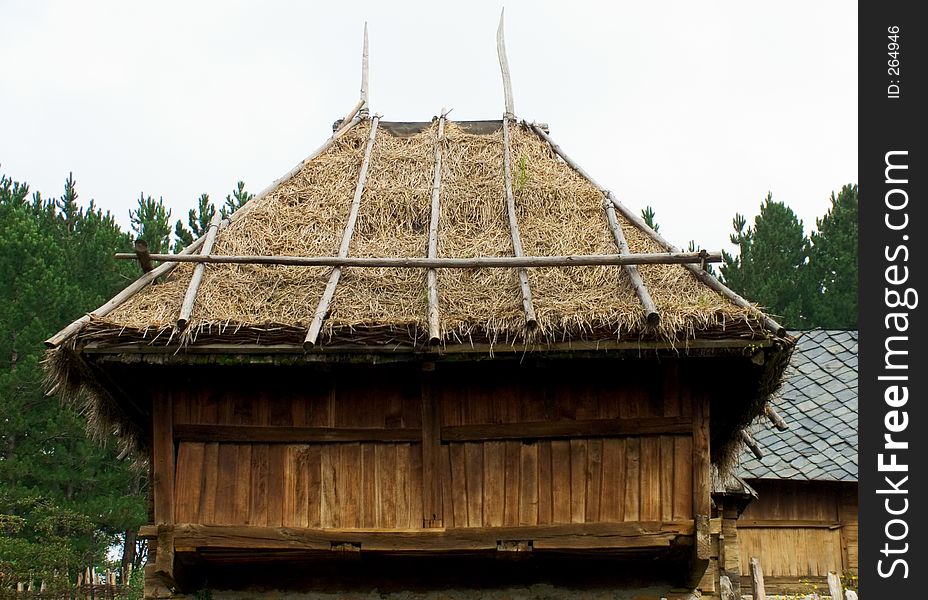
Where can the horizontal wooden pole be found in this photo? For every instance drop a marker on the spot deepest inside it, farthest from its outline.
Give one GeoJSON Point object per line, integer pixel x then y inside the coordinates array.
{"type": "Point", "coordinates": [568, 429]}
{"type": "Point", "coordinates": [663, 258]}
{"type": "Point", "coordinates": [574, 536]}
{"type": "Point", "coordinates": [787, 524]}
{"type": "Point", "coordinates": [292, 435]}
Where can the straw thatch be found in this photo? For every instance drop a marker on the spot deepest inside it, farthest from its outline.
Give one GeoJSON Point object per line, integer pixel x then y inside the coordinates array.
{"type": "Point", "coordinates": [559, 213]}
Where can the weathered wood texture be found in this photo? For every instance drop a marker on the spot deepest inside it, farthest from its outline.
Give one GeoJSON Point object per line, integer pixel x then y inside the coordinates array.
{"type": "Point", "coordinates": [800, 530]}
{"type": "Point", "coordinates": [616, 450]}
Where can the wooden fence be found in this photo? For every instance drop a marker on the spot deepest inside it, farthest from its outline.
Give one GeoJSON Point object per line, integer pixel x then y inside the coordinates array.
{"type": "Point", "coordinates": [836, 591]}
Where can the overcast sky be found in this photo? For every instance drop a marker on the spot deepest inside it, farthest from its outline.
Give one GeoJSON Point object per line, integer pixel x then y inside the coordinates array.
{"type": "Point", "coordinates": [697, 109]}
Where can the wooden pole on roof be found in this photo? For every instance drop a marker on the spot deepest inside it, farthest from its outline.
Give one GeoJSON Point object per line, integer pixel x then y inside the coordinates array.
{"type": "Point", "coordinates": [652, 317]}
{"type": "Point", "coordinates": [166, 267]}
{"type": "Point", "coordinates": [190, 298]}
{"type": "Point", "coordinates": [323, 308]}
{"type": "Point", "coordinates": [504, 67]}
{"type": "Point", "coordinates": [527, 306]}
{"type": "Point", "coordinates": [629, 215]}
{"type": "Point", "coordinates": [364, 105]}
{"type": "Point", "coordinates": [432, 276]}
{"type": "Point", "coordinates": [775, 417]}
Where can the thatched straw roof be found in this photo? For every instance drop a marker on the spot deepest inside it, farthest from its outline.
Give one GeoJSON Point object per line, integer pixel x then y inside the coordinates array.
{"type": "Point", "coordinates": [559, 212]}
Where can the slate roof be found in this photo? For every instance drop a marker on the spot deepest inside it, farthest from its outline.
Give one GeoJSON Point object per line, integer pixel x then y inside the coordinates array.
{"type": "Point", "coordinates": [819, 402]}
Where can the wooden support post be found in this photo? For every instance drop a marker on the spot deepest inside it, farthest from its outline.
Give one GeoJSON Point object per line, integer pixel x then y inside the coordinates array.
{"type": "Point", "coordinates": [190, 298]}
{"type": "Point", "coordinates": [757, 580]}
{"type": "Point", "coordinates": [432, 275]}
{"type": "Point", "coordinates": [323, 308]}
{"type": "Point", "coordinates": [702, 486]}
{"type": "Point", "coordinates": [141, 252]}
{"type": "Point", "coordinates": [834, 586]}
{"type": "Point", "coordinates": [163, 458]}
{"type": "Point", "coordinates": [652, 317]}
{"type": "Point", "coordinates": [431, 449]}
{"type": "Point", "coordinates": [530, 321]}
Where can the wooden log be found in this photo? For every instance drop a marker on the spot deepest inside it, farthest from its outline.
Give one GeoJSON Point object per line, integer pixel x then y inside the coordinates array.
{"type": "Point", "coordinates": [432, 275]}
{"type": "Point", "coordinates": [364, 64]}
{"type": "Point", "coordinates": [567, 429]}
{"type": "Point", "coordinates": [775, 418]}
{"type": "Point", "coordinates": [652, 317]}
{"type": "Point", "coordinates": [700, 273]}
{"type": "Point", "coordinates": [260, 434]}
{"type": "Point", "coordinates": [323, 308]}
{"type": "Point", "coordinates": [751, 444]}
{"type": "Point", "coordinates": [528, 308]}
{"type": "Point", "coordinates": [165, 267]}
{"type": "Point", "coordinates": [190, 298]}
{"type": "Point", "coordinates": [480, 262]}
{"type": "Point", "coordinates": [757, 580]}
{"type": "Point", "coordinates": [504, 67]}
{"type": "Point", "coordinates": [834, 586]}
{"type": "Point", "coordinates": [142, 254]}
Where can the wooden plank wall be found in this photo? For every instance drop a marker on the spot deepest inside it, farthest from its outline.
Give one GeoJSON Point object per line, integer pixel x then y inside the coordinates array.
{"type": "Point", "coordinates": [800, 529]}
{"type": "Point", "coordinates": [480, 482]}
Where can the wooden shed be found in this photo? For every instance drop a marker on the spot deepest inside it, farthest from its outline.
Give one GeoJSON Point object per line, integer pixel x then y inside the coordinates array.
{"type": "Point", "coordinates": [803, 524]}
{"type": "Point", "coordinates": [429, 343]}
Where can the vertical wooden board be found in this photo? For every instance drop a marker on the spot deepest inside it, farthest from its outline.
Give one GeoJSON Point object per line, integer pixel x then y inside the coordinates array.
{"type": "Point", "coordinates": [473, 459]}
{"type": "Point", "coordinates": [242, 500]}
{"type": "Point", "coordinates": [412, 410]}
{"type": "Point", "coordinates": [702, 487]}
{"type": "Point", "coordinates": [207, 412]}
{"type": "Point", "coordinates": [182, 404]}
{"type": "Point", "coordinates": [458, 476]}
{"type": "Point", "coordinates": [163, 459]}
{"type": "Point", "coordinates": [368, 467]}
{"type": "Point", "coordinates": [560, 480]}
{"type": "Point", "coordinates": [611, 494]}
{"type": "Point", "coordinates": [385, 485]}
{"type": "Point", "coordinates": [608, 401]}
{"type": "Point", "coordinates": [291, 468]}
{"type": "Point", "coordinates": [528, 479]}
{"type": "Point", "coordinates": [594, 480]}
{"type": "Point", "coordinates": [545, 500]}
{"type": "Point", "coordinates": [632, 479]}
{"type": "Point", "coordinates": [447, 505]}
{"type": "Point", "coordinates": [298, 409]}
{"type": "Point", "coordinates": [686, 403]}
{"type": "Point", "coordinates": [650, 478]}
{"type": "Point", "coordinates": [682, 477]}
{"type": "Point", "coordinates": [511, 485]}
{"type": "Point", "coordinates": [415, 487]}
{"type": "Point", "coordinates": [578, 476]}
{"type": "Point", "coordinates": [243, 409]}
{"type": "Point", "coordinates": [494, 483]}
{"type": "Point", "coordinates": [262, 409]}
{"type": "Point", "coordinates": [666, 476]}
{"type": "Point", "coordinates": [348, 488]}
{"type": "Point", "coordinates": [431, 442]}
{"type": "Point", "coordinates": [276, 481]}
{"type": "Point", "coordinates": [280, 412]}
{"type": "Point", "coordinates": [329, 512]}
{"type": "Point", "coordinates": [310, 487]}
{"type": "Point", "coordinates": [317, 408]}
{"type": "Point", "coordinates": [210, 484]}
{"type": "Point", "coordinates": [585, 400]}
{"type": "Point", "coordinates": [225, 490]}
{"type": "Point", "coordinates": [189, 482]}
{"type": "Point", "coordinates": [225, 410]}
{"type": "Point", "coordinates": [404, 482]}
{"type": "Point", "coordinates": [532, 402]}
{"type": "Point", "coordinates": [257, 511]}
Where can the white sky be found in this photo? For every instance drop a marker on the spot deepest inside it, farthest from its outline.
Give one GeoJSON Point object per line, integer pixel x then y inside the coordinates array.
{"type": "Point", "coordinates": [697, 109]}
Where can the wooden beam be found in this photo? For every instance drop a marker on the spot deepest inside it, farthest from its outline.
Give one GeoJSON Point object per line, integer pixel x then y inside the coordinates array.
{"type": "Point", "coordinates": [787, 524]}
{"type": "Point", "coordinates": [775, 417]}
{"type": "Point", "coordinates": [652, 317]}
{"type": "Point", "coordinates": [568, 429]}
{"type": "Point", "coordinates": [757, 580]}
{"type": "Point", "coordinates": [431, 449]}
{"type": "Point", "coordinates": [165, 267]}
{"type": "Point", "coordinates": [574, 536]}
{"type": "Point", "coordinates": [259, 434]}
{"type": "Point", "coordinates": [751, 444]}
{"type": "Point", "coordinates": [480, 262]}
{"type": "Point", "coordinates": [364, 64]}
{"type": "Point", "coordinates": [323, 308]}
{"type": "Point", "coordinates": [190, 298]}
{"type": "Point", "coordinates": [700, 273]}
{"type": "Point", "coordinates": [504, 67]}
{"type": "Point", "coordinates": [163, 458]}
{"type": "Point", "coordinates": [164, 558]}
{"type": "Point", "coordinates": [527, 307]}
{"type": "Point", "coordinates": [432, 275]}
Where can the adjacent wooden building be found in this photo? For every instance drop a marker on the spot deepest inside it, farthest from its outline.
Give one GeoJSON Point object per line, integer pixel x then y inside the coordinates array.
{"type": "Point", "coordinates": [804, 524]}
{"type": "Point", "coordinates": [428, 344]}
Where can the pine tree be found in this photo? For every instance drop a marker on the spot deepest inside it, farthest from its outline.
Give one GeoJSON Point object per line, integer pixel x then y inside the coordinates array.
{"type": "Point", "coordinates": [151, 222]}
{"type": "Point", "coordinates": [198, 219]}
{"type": "Point", "coordinates": [235, 200]}
{"type": "Point", "coordinates": [833, 263]}
{"type": "Point", "coordinates": [772, 265]}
